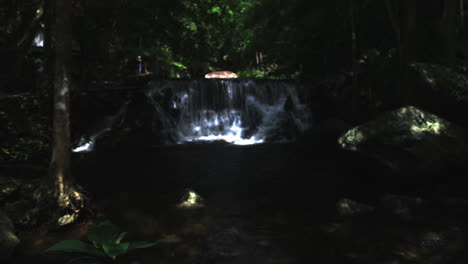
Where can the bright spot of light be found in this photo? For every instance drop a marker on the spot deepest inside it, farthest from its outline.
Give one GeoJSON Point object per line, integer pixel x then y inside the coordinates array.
{"type": "Point", "coordinates": [191, 200]}
{"type": "Point", "coordinates": [39, 40]}
{"type": "Point", "coordinates": [86, 147]}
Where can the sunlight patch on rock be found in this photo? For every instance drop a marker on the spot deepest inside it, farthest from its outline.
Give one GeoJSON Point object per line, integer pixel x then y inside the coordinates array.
{"type": "Point", "coordinates": [191, 200]}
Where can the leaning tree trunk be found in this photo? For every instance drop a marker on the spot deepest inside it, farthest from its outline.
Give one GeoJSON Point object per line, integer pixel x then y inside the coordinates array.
{"type": "Point", "coordinates": [355, 87]}
{"type": "Point", "coordinates": [449, 30]}
{"type": "Point", "coordinates": [68, 200]}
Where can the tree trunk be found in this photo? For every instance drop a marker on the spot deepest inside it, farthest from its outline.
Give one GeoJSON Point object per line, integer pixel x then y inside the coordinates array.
{"type": "Point", "coordinates": [394, 21]}
{"type": "Point", "coordinates": [449, 31]}
{"type": "Point", "coordinates": [64, 191]}
{"type": "Point", "coordinates": [355, 94]}
{"type": "Point", "coordinates": [462, 15]}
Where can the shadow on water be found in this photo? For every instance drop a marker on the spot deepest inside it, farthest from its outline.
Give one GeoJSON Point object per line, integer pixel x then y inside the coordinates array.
{"type": "Point", "coordinates": [266, 203]}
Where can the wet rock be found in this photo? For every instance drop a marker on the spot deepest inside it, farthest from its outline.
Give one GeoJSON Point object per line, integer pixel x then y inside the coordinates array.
{"type": "Point", "coordinates": [227, 243]}
{"type": "Point", "coordinates": [8, 240]}
{"type": "Point", "coordinates": [437, 247]}
{"type": "Point", "coordinates": [8, 186]}
{"type": "Point", "coordinates": [20, 212]}
{"type": "Point", "coordinates": [404, 207]}
{"type": "Point", "coordinates": [348, 207]}
{"type": "Point", "coordinates": [409, 140]}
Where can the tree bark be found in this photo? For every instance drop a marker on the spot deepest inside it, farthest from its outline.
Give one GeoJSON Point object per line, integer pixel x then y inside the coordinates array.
{"type": "Point", "coordinates": [355, 86]}
{"type": "Point", "coordinates": [63, 188]}
{"type": "Point", "coordinates": [449, 31]}
{"type": "Point", "coordinates": [462, 15]}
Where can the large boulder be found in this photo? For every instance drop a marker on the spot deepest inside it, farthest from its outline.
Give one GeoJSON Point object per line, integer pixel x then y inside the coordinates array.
{"type": "Point", "coordinates": [8, 240]}
{"type": "Point", "coordinates": [442, 90]}
{"type": "Point", "coordinates": [409, 140]}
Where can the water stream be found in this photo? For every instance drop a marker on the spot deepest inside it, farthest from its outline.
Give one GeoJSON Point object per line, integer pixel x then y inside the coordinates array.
{"type": "Point", "coordinates": [241, 112]}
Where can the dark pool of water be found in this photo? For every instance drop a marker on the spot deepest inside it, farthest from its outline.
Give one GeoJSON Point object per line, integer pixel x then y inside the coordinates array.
{"type": "Point", "coordinates": [269, 203]}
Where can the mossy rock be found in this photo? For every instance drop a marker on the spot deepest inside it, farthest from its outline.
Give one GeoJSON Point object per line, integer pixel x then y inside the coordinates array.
{"type": "Point", "coordinates": [409, 138]}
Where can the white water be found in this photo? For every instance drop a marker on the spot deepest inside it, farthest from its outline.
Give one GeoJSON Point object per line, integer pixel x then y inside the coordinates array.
{"type": "Point", "coordinates": [241, 112]}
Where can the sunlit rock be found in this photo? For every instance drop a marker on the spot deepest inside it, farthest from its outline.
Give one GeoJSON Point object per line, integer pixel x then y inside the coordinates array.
{"type": "Point", "coordinates": [8, 240]}
{"type": "Point", "coordinates": [191, 200]}
{"type": "Point", "coordinates": [67, 219]}
{"type": "Point", "coordinates": [408, 138]}
{"type": "Point", "coordinates": [397, 127]}
{"type": "Point", "coordinates": [221, 75]}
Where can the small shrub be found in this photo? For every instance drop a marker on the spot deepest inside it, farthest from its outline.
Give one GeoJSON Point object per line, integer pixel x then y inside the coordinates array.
{"type": "Point", "coordinates": [105, 245]}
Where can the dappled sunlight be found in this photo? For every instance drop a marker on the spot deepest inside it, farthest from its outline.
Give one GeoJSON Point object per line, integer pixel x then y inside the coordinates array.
{"type": "Point", "coordinates": [431, 127]}
{"type": "Point", "coordinates": [406, 123]}
{"type": "Point", "coordinates": [191, 200]}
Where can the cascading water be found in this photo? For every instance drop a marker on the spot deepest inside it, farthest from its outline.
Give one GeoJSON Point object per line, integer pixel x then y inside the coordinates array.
{"type": "Point", "coordinates": [87, 142]}
{"type": "Point", "coordinates": [238, 111]}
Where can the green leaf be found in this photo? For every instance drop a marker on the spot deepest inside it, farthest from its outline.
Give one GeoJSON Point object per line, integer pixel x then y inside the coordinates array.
{"type": "Point", "coordinates": [216, 10]}
{"type": "Point", "coordinates": [103, 233]}
{"type": "Point", "coordinates": [114, 250]}
{"type": "Point", "coordinates": [75, 246]}
{"type": "Point", "coordinates": [142, 244]}
{"type": "Point", "coordinates": [121, 236]}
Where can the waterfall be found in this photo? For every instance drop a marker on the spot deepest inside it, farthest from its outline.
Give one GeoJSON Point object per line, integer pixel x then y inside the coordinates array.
{"type": "Point", "coordinates": [234, 110]}
{"type": "Point", "coordinates": [87, 142]}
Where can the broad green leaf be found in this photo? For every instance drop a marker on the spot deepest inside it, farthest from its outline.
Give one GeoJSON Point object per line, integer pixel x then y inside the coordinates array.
{"type": "Point", "coordinates": [75, 246]}
{"type": "Point", "coordinates": [121, 236]}
{"type": "Point", "coordinates": [103, 233]}
{"type": "Point", "coordinates": [142, 244]}
{"type": "Point", "coordinates": [114, 250]}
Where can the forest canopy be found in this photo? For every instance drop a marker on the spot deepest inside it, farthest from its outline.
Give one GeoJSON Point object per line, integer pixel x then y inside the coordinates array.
{"type": "Point", "coordinates": [255, 38]}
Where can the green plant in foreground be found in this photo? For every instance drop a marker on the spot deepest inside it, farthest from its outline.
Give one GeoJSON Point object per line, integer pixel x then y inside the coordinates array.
{"type": "Point", "coordinates": [106, 245]}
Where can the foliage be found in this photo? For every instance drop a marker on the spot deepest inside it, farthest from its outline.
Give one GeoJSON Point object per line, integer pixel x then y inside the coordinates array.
{"type": "Point", "coordinates": [23, 150]}
{"type": "Point", "coordinates": [105, 247]}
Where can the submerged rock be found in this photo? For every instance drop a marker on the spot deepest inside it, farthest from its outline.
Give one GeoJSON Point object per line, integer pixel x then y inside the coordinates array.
{"type": "Point", "coordinates": [409, 140]}
{"type": "Point", "coordinates": [404, 207]}
{"type": "Point", "coordinates": [348, 207]}
{"type": "Point", "coordinates": [227, 243]}
{"type": "Point", "coordinates": [8, 240]}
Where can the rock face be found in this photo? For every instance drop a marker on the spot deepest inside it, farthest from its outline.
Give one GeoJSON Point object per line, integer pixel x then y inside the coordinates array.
{"type": "Point", "coordinates": [8, 239]}
{"type": "Point", "coordinates": [409, 140]}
